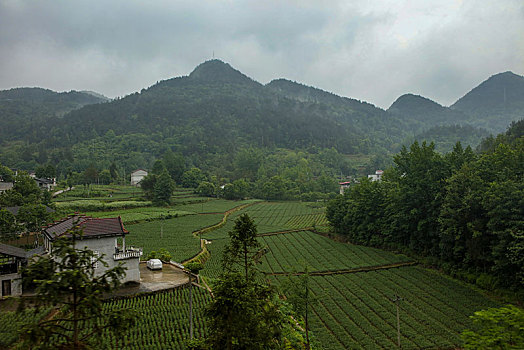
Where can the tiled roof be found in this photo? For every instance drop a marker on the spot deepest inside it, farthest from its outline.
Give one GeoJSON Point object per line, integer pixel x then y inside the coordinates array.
{"type": "Point", "coordinates": [15, 210]}
{"type": "Point", "coordinates": [91, 227]}
{"type": "Point", "coordinates": [12, 251]}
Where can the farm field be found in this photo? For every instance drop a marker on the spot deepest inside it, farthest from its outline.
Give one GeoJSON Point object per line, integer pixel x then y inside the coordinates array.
{"type": "Point", "coordinates": [177, 236]}
{"type": "Point", "coordinates": [162, 321]}
{"type": "Point", "coordinates": [289, 252]}
{"type": "Point", "coordinates": [12, 321]}
{"type": "Point", "coordinates": [141, 214]}
{"type": "Point", "coordinates": [354, 310]}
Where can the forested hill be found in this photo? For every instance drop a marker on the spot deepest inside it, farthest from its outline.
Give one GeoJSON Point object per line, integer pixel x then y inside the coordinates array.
{"type": "Point", "coordinates": [426, 112]}
{"type": "Point", "coordinates": [217, 109]}
{"type": "Point", "coordinates": [23, 109]}
{"type": "Point", "coordinates": [496, 102]}
{"type": "Point", "coordinates": [206, 116]}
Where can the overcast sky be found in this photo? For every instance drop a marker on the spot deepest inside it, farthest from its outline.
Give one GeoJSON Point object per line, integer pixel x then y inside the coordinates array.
{"type": "Point", "coordinates": [368, 50]}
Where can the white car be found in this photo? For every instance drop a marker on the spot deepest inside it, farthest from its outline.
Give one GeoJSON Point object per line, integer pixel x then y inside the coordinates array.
{"type": "Point", "coordinates": [154, 264]}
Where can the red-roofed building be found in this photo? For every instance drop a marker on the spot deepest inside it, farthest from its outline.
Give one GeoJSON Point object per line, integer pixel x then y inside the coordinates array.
{"type": "Point", "coordinates": [344, 186]}
{"type": "Point", "coordinates": [105, 237]}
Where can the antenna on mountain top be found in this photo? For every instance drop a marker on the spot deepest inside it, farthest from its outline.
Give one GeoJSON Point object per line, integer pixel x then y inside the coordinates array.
{"type": "Point", "coordinates": [213, 54]}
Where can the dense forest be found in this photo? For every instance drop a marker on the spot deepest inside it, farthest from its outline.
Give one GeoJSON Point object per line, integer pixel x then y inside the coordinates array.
{"type": "Point", "coordinates": [462, 211]}
{"type": "Point", "coordinates": [216, 114]}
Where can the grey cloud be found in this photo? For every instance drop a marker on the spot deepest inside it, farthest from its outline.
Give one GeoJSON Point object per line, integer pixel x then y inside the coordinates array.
{"type": "Point", "coordinates": [118, 47]}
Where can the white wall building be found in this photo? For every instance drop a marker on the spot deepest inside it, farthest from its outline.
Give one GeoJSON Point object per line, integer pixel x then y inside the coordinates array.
{"type": "Point", "coordinates": [377, 176]}
{"type": "Point", "coordinates": [105, 237]}
{"type": "Point", "coordinates": [137, 176]}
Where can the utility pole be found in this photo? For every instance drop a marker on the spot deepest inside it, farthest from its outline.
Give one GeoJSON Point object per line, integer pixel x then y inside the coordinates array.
{"type": "Point", "coordinates": [162, 226]}
{"type": "Point", "coordinates": [396, 301]}
{"type": "Point", "coordinates": [190, 306]}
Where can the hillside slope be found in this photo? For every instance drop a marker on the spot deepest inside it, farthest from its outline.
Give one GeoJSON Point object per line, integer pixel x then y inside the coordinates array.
{"type": "Point", "coordinates": [495, 103]}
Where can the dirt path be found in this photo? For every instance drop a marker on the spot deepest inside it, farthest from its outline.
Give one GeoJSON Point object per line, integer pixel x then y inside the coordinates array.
{"type": "Point", "coordinates": [345, 271]}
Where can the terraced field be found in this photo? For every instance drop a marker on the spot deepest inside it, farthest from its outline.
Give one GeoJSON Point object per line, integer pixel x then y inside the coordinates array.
{"type": "Point", "coordinates": [162, 320]}
{"type": "Point", "coordinates": [291, 251]}
{"type": "Point", "coordinates": [353, 310]}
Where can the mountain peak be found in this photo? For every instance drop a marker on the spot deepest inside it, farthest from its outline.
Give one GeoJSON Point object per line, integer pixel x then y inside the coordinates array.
{"type": "Point", "coordinates": [500, 94]}
{"type": "Point", "coordinates": [218, 71]}
{"type": "Point", "coordinates": [410, 103]}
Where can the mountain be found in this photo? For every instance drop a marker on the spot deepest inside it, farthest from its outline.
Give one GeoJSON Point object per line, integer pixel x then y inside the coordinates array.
{"type": "Point", "coordinates": [21, 109]}
{"type": "Point", "coordinates": [425, 112]}
{"type": "Point", "coordinates": [208, 116]}
{"type": "Point", "coordinates": [495, 103]}
{"type": "Point", "coordinates": [217, 108]}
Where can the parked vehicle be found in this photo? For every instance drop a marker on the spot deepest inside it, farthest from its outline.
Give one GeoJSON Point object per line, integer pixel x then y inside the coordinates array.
{"type": "Point", "coordinates": [154, 264]}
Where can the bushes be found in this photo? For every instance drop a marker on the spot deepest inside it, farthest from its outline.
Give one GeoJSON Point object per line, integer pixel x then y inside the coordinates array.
{"type": "Point", "coordinates": [95, 205]}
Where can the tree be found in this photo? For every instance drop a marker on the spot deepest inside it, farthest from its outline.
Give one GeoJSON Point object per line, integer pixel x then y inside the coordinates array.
{"type": "Point", "coordinates": [206, 189]}
{"type": "Point", "coordinates": [6, 174]}
{"type": "Point", "coordinates": [192, 178]}
{"type": "Point", "coordinates": [158, 167]}
{"type": "Point", "coordinates": [496, 328]}
{"type": "Point", "coordinates": [243, 316]}
{"type": "Point", "coordinates": [175, 165]}
{"type": "Point", "coordinates": [90, 174]}
{"type": "Point", "coordinates": [163, 189]}
{"type": "Point", "coordinates": [243, 246]}
{"type": "Point", "coordinates": [7, 224]}
{"type": "Point", "coordinates": [113, 171]}
{"type": "Point", "coordinates": [27, 188]}
{"type": "Point", "coordinates": [33, 216]}
{"type": "Point", "coordinates": [297, 291]}
{"type": "Point", "coordinates": [105, 177]}
{"type": "Point", "coordinates": [67, 279]}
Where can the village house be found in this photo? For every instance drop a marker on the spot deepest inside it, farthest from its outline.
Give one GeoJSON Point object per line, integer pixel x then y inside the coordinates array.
{"type": "Point", "coordinates": [343, 186]}
{"type": "Point", "coordinates": [377, 176]}
{"type": "Point", "coordinates": [5, 186]}
{"type": "Point", "coordinates": [105, 237]}
{"type": "Point", "coordinates": [12, 259]}
{"type": "Point", "coordinates": [137, 176]}
{"type": "Point", "coordinates": [46, 184]}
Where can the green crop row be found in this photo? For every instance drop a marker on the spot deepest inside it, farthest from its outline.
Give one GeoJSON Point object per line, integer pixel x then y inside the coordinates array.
{"type": "Point", "coordinates": [136, 215]}
{"type": "Point", "coordinates": [357, 311]}
{"type": "Point", "coordinates": [97, 205]}
{"type": "Point", "coordinates": [291, 251]}
{"type": "Point", "coordinates": [11, 323]}
{"type": "Point", "coordinates": [174, 235]}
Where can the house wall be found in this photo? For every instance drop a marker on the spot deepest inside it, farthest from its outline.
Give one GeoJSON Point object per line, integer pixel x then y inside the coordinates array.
{"type": "Point", "coordinates": [137, 176]}
{"type": "Point", "coordinates": [16, 283]}
{"type": "Point", "coordinates": [106, 246]}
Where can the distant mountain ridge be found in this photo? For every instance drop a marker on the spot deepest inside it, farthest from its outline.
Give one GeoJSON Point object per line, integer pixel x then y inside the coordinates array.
{"type": "Point", "coordinates": [496, 102]}
{"type": "Point", "coordinates": [492, 105]}
{"type": "Point", "coordinates": [217, 110]}
{"type": "Point", "coordinates": [22, 109]}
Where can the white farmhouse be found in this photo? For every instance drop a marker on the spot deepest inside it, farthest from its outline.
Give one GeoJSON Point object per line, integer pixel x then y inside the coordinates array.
{"type": "Point", "coordinates": [137, 176]}
{"type": "Point", "coordinates": [105, 237]}
{"type": "Point", "coordinates": [377, 176]}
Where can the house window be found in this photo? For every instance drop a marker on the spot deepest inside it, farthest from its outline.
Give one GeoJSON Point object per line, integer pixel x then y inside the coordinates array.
{"type": "Point", "coordinates": [94, 259]}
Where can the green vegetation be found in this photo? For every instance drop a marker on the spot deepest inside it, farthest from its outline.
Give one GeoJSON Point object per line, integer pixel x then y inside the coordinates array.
{"type": "Point", "coordinates": [162, 320]}
{"type": "Point", "coordinates": [496, 328]}
{"type": "Point", "coordinates": [462, 211]}
{"type": "Point", "coordinates": [175, 235]}
{"type": "Point", "coordinates": [356, 311]}
{"type": "Point", "coordinates": [12, 323]}
{"type": "Point", "coordinates": [67, 282]}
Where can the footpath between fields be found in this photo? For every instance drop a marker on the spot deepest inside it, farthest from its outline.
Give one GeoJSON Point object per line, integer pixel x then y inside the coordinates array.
{"type": "Point", "coordinates": [343, 271]}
